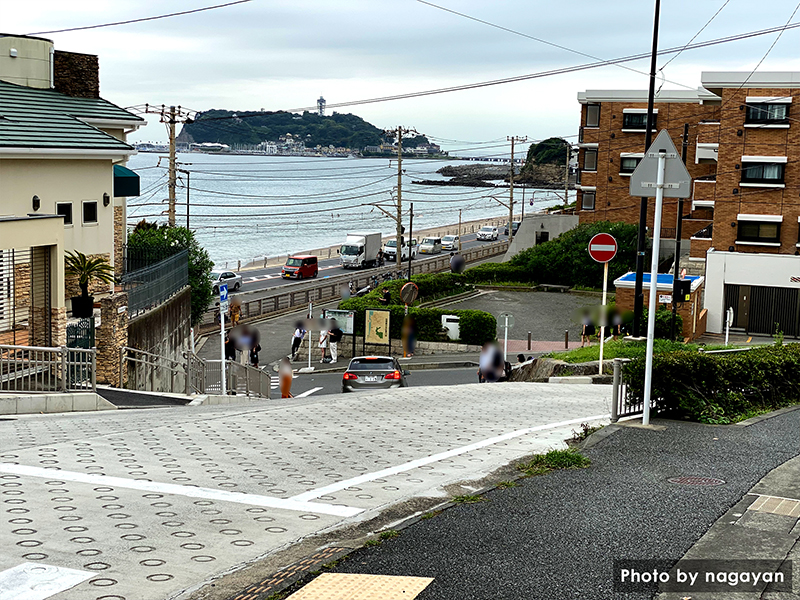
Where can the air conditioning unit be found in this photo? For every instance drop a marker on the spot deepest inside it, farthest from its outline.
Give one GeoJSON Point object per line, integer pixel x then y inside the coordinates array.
{"type": "Point", "coordinates": [451, 324]}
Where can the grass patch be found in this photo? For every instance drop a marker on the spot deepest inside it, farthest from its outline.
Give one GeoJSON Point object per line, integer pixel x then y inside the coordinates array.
{"type": "Point", "coordinates": [430, 515]}
{"type": "Point", "coordinates": [468, 499]}
{"type": "Point", "coordinates": [585, 431]}
{"type": "Point", "coordinates": [388, 534]}
{"type": "Point", "coordinates": [507, 484]}
{"type": "Point", "coordinates": [554, 460]}
{"type": "Point", "coordinates": [370, 543]}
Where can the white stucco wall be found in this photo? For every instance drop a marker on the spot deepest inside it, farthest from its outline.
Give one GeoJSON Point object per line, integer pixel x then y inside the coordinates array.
{"type": "Point", "coordinates": [31, 66]}
{"type": "Point", "coordinates": [769, 270]}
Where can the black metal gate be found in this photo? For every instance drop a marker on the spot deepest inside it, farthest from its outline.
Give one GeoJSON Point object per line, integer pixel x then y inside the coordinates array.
{"type": "Point", "coordinates": [765, 310]}
{"type": "Point", "coordinates": [25, 309]}
{"type": "Point", "coordinates": [80, 334]}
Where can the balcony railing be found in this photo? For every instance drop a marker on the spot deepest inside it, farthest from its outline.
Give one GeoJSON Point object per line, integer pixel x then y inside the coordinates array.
{"type": "Point", "coordinates": [153, 285]}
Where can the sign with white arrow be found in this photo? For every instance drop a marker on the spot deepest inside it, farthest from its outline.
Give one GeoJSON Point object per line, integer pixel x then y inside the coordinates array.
{"type": "Point", "coordinates": [677, 181]}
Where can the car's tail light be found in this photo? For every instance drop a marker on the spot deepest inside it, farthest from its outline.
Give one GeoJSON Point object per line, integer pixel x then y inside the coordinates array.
{"type": "Point", "coordinates": [394, 375]}
{"type": "Point", "coordinates": [348, 376]}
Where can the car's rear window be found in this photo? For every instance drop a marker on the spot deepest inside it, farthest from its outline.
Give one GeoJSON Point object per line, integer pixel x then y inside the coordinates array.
{"type": "Point", "coordinates": [365, 364]}
{"type": "Point", "coordinates": [486, 229]}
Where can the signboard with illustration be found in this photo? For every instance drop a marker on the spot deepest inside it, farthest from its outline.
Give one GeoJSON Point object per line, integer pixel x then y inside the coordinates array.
{"type": "Point", "coordinates": [377, 327]}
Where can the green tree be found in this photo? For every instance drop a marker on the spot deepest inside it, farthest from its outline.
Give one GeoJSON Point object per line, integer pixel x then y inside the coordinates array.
{"type": "Point", "coordinates": [163, 238]}
{"type": "Point", "coordinates": [565, 260]}
{"type": "Point", "coordinates": [550, 151]}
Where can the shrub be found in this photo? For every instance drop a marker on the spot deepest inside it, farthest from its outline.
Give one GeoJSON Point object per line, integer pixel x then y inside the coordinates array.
{"type": "Point", "coordinates": [720, 388]}
{"type": "Point", "coordinates": [565, 260]}
{"type": "Point", "coordinates": [664, 323]}
{"type": "Point", "coordinates": [493, 272]}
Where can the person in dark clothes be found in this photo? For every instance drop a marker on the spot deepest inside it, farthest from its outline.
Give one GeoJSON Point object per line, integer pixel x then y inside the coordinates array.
{"type": "Point", "coordinates": [334, 336]}
{"type": "Point", "coordinates": [520, 358]}
{"type": "Point", "coordinates": [254, 350]}
{"type": "Point", "coordinates": [386, 298]}
{"type": "Point", "coordinates": [230, 348]}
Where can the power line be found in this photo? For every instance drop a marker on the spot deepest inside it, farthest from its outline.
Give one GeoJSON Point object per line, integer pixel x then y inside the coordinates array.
{"type": "Point", "coordinates": [175, 14]}
{"type": "Point", "coordinates": [695, 36]}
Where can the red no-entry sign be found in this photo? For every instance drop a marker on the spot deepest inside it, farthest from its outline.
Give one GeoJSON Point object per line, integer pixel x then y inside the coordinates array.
{"type": "Point", "coordinates": [603, 247]}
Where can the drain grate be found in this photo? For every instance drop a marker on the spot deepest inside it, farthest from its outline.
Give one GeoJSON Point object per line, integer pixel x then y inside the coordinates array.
{"type": "Point", "coordinates": [695, 481]}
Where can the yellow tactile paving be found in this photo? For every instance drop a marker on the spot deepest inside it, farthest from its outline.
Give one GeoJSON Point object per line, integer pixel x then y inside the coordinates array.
{"type": "Point", "coordinates": [349, 586]}
{"type": "Point", "coordinates": [776, 506]}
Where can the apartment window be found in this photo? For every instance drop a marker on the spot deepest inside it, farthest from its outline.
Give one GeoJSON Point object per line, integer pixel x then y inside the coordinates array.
{"type": "Point", "coordinates": [65, 209]}
{"type": "Point", "coordinates": [767, 113]}
{"type": "Point", "coordinates": [89, 213]}
{"type": "Point", "coordinates": [587, 203]}
{"type": "Point", "coordinates": [628, 164]}
{"type": "Point", "coordinates": [759, 232]}
{"type": "Point", "coordinates": [590, 160]}
{"type": "Point", "coordinates": [637, 121]}
{"type": "Point", "coordinates": [592, 115]}
{"type": "Point", "coordinates": [763, 173]}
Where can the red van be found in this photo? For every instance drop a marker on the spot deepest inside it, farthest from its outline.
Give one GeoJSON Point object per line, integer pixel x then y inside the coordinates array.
{"type": "Point", "coordinates": [300, 267]}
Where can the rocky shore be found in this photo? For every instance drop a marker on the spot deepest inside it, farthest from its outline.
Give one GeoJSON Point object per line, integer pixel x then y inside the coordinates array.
{"type": "Point", "coordinates": [482, 175]}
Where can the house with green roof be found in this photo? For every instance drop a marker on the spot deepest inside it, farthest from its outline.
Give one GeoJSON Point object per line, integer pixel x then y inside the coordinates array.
{"type": "Point", "coordinates": [63, 183]}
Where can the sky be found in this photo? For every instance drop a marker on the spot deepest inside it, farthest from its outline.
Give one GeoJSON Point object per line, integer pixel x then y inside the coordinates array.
{"type": "Point", "coordinates": [284, 54]}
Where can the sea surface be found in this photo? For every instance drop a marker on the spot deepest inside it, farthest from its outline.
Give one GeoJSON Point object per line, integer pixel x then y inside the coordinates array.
{"type": "Point", "coordinates": [247, 207]}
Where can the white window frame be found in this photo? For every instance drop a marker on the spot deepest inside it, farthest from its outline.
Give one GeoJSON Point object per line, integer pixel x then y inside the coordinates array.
{"type": "Point", "coordinates": [96, 213]}
{"type": "Point", "coordinates": [639, 155]}
{"type": "Point", "coordinates": [71, 213]}
{"type": "Point", "coordinates": [594, 203]}
{"type": "Point", "coordinates": [596, 156]}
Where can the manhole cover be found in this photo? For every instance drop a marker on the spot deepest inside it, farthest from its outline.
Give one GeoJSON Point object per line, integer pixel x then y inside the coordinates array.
{"type": "Point", "coordinates": [696, 480]}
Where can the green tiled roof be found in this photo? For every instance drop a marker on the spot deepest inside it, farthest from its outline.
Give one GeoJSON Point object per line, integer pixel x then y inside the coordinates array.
{"type": "Point", "coordinates": [37, 118]}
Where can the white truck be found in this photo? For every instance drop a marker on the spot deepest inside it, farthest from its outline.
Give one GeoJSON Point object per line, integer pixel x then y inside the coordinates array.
{"type": "Point", "coordinates": [360, 250]}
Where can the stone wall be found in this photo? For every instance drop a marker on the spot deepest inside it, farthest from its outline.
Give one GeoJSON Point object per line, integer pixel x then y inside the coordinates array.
{"type": "Point", "coordinates": [120, 237]}
{"type": "Point", "coordinates": [111, 336]}
{"type": "Point", "coordinates": [76, 74]}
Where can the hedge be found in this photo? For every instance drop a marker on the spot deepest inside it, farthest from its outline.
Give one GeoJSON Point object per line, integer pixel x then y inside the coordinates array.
{"type": "Point", "coordinates": [720, 388]}
{"type": "Point", "coordinates": [494, 272]}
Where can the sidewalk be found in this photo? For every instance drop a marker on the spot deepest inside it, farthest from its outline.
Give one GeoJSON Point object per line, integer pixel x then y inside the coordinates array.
{"type": "Point", "coordinates": [557, 535]}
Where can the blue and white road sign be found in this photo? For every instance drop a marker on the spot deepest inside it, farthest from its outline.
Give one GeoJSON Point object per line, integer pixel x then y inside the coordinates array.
{"type": "Point", "coordinates": [223, 297]}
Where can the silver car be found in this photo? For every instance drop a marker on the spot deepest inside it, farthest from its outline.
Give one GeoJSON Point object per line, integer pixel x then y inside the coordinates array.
{"type": "Point", "coordinates": [233, 280]}
{"type": "Point", "coordinates": [366, 373]}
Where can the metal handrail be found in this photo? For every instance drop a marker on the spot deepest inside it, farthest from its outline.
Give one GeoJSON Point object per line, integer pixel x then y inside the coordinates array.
{"type": "Point", "coordinates": [43, 369]}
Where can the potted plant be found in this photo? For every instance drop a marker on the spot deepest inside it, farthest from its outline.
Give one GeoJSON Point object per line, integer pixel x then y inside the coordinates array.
{"type": "Point", "coordinates": [86, 270]}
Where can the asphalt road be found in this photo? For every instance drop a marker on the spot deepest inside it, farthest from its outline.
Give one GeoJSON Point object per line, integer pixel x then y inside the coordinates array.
{"type": "Point", "coordinates": [254, 280]}
{"type": "Point", "coordinates": [331, 383]}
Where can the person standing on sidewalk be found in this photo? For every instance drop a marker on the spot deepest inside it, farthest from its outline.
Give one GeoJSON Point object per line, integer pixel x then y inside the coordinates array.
{"type": "Point", "coordinates": [323, 344]}
{"type": "Point", "coordinates": [297, 339]}
{"type": "Point", "coordinates": [334, 337]}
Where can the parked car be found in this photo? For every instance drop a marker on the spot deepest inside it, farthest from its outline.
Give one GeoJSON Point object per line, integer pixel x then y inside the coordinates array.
{"type": "Point", "coordinates": [300, 267]}
{"type": "Point", "coordinates": [430, 245]}
{"type": "Point", "coordinates": [514, 227]}
{"type": "Point", "coordinates": [390, 250]}
{"type": "Point", "coordinates": [488, 233]}
{"type": "Point", "coordinates": [451, 242]}
{"type": "Point", "coordinates": [233, 280]}
{"type": "Point", "coordinates": [373, 373]}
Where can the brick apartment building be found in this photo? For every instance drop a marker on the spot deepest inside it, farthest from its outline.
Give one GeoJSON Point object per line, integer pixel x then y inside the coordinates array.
{"type": "Point", "coordinates": [742, 223]}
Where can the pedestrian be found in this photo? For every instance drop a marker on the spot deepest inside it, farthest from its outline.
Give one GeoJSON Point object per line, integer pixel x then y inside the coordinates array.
{"type": "Point", "coordinates": [323, 344]}
{"type": "Point", "coordinates": [453, 262]}
{"type": "Point", "coordinates": [520, 358]}
{"type": "Point", "coordinates": [381, 257]}
{"type": "Point", "coordinates": [409, 333]}
{"type": "Point", "coordinates": [386, 297]}
{"type": "Point", "coordinates": [285, 376]}
{"type": "Point", "coordinates": [587, 330]}
{"type": "Point", "coordinates": [297, 339]}
{"type": "Point", "coordinates": [230, 348]}
{"type": "Point", "coordinates": [616, 324]}
{"type": "Point", "coordinates": [334, 337]}
{"type": "Point", "coordinates": [490, 364]}
{"type": "Point", "coordinates": [236, 311]}
{"type": "Point", "coordinates": [245, 340]}
{"type": "Point", "coordinates": [254, 354]}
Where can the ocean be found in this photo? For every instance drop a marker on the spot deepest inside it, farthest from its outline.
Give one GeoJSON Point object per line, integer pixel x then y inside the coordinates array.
{"type": "Point", "coordinates": [247, 207]}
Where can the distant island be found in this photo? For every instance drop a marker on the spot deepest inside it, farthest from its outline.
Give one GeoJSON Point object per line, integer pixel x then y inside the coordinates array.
{"type": "Point", "coordinates": [289, 134]}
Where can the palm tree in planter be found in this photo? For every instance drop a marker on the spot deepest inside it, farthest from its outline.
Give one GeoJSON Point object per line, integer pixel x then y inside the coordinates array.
{"type": "Point", "coordinates": [87, 270]}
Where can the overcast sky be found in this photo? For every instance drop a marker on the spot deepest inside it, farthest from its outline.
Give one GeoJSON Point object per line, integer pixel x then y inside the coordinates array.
{"type": "Point", "coordinates": [281, 54]}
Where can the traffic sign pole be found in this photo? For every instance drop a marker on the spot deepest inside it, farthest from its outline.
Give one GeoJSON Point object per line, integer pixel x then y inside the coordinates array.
{"type": "Point", "coordinates": [505, 343]}
{"type": "Point", "coordinates": [223, 302]}
{"type": "Point", "coordinates": [603, 316]}
{"type": "Point", "coordinates": [603, 248]}
{"type": "Point", "coordinates": [651, 317]}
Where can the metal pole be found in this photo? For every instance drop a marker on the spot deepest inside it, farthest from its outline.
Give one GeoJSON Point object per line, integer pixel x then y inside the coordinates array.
{"type": "Point", "coordinates": [529, 341]}
{"type": "Point", "coordinates": [410, 235]}
{"type": "Point", "coordinates": [678, 234]}
{"type": "Point", "coordinates": [187, 199]}
{"type": "Point", "coordinates": [522, 218]}
{"type": "Point", "coordinates": [511, 195]}
{"type": "Point", "coordinates": [638, 298]}
{"type": "Point", "coordinates": [172, 173]}
{"type": "Point", "coordinates": [505, 344]}
{"type": "Point", "coordinates": [566, 339]}
{"type": "Point", "coordinates": [310, 318]}
{"type": "Point", "coordinates": [399, 260]}
{"type": "Point", "coordinates": [651, 317]}
{"type": "Point", "coordinates": [603, 317]}
{"type": "Point", "coordinates": [222, 381]}
{"type": "Point", "coordinates": [615, 392]}
{"type": "Point", "coordinates": [566, 174]}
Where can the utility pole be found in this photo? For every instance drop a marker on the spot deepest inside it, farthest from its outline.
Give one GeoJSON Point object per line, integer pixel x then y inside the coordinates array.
{"type": "Point", "coordinates": [410, 235]}
{"type": "Point", "coordinates": [170, 117]}
{"type": "Point", "coordinates": [638, 297]}
{"type": "Point", "coordinates": [400, 132]}
{"type": "Point", "coordinates": [513, 140]}
{"type": "Point", "coordinates": [459, 230]}
{"type": "Point", "coordinates": [678, 234]}
{"type": "Point", "coordinates": [566, 175]}
{"type": "Point", "coordinates": [187, 173]}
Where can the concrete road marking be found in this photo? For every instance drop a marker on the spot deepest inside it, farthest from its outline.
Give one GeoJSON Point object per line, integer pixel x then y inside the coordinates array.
{"type": "Point", "coordinates": [421, 462]}
{"type": "Point", "coordinates": [308, 393]}
{"type": "Point", "coordinates": [353, 586]}
{"type": "Point", "coordinates": [36, 581]}
{"type": "Point", "coordinates": [181, 490]}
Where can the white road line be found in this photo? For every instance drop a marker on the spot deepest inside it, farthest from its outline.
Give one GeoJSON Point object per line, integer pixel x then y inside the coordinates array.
{"type": "Point", "coordinates": [308, 393]}
{"type": "Point", "coordinates": [421, 462]}
{"type": "Point", "coordinates": [37, 581]}
{"type": "Point", "coordinates": [180, 490]}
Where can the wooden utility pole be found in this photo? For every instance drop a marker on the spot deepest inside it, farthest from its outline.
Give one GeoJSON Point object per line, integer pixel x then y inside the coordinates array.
{"type": "Point", "coordinates": [513, 140]}
{"type": "Point", "coordinates": [459, 230]}
{"type": "Point", "coordinates": [172, 166]}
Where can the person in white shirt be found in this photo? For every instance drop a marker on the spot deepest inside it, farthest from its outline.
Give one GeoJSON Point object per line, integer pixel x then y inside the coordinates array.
{"type": "Point", "coordinates": [323, 344]}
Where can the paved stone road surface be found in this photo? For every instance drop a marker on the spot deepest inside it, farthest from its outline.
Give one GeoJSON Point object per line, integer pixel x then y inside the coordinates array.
{"type": "Point", "coordinates": [149, 504]}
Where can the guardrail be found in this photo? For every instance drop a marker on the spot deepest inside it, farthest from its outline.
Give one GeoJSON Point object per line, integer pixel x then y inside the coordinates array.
{"type": "Point", "coordinates": [40, 369]}
{"type": "Point", "coordinates": [151, 286]}
{"type": "Point", "coordinates": [299, 294]}
{"type": "Point", "coordinates": [151, 372]}
{"type": "Point", "coordinates": [623, 403]}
